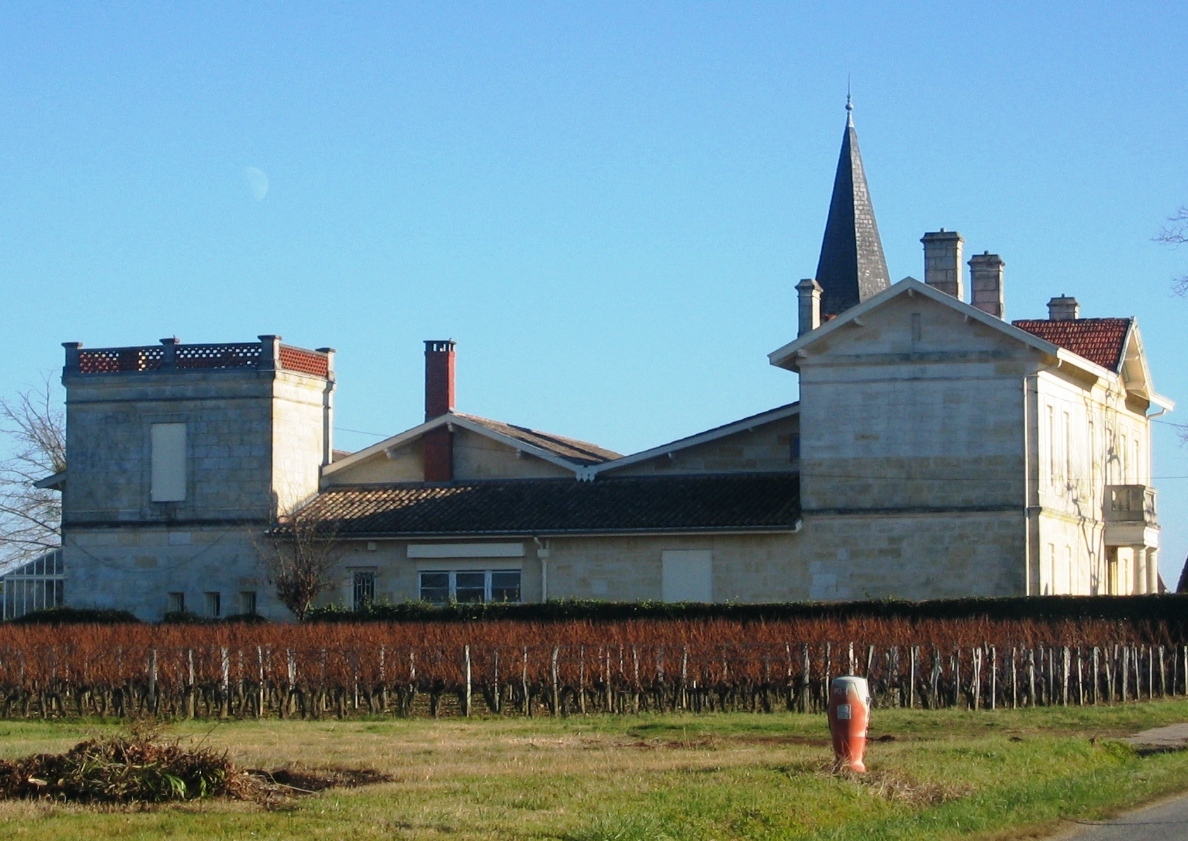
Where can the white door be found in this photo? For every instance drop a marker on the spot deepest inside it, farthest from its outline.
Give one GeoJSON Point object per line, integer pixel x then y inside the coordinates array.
{"type": "Point", "coordinates": [687, 575]}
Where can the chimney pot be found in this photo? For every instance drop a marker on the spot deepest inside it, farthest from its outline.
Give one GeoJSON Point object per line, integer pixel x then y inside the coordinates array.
{"type": "Point", "coordinates": [985, 277]}
{"type": "Point", "coordinates": [942, 262]}
{"type": "Point", "coordinates": [1064, 308]}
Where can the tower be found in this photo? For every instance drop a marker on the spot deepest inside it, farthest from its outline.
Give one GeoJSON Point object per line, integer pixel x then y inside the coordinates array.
{"type": "Point", "coordinates": [852, 267]}
{"type": "Point", "coordinates": [177, 455]}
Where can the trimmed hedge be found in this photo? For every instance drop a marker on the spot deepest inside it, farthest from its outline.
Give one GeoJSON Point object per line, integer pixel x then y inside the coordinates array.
{"type": "Point", "coordinates": [1170, 608]}
{"type": "Point", "coordinates": [75, 616]}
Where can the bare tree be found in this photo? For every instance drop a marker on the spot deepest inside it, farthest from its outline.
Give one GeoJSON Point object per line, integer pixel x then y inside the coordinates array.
{"type": "Point", "coordinates": [300, 552]}
{"type": "Point", "coordinates": [1175, 232]}
{"type": "Point", "coordinates": [34, 425]}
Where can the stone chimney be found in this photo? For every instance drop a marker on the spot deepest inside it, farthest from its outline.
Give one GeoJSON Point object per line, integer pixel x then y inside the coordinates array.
{"type": "Point", "coordinates": [985, 276]}
{"type": "Point", "coordinates": [437, 445]}
{"type": "Point", "coordinates": [1064, 308]}
{"type": "Point", "coordinates": [808, 292]}
{"type": "Point", "coordinates": [942, 262]}
{"type": "Point", "coordinates": [439, 378]}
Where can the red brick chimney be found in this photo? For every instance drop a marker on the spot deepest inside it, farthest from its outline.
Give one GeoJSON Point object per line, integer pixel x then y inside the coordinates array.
{"type": "Point", "coordinates": [437, 445]}
{"type": "Point", "coordinates": [439, 378]}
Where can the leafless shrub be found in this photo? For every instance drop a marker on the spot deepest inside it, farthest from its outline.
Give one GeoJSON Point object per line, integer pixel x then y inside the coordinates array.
{"type": "Point", "coordinates": [1175, 232]}
{"type": "Point", "coordinates": [30, 518]}
{"type": "Point", "coordinates": [300, 553]}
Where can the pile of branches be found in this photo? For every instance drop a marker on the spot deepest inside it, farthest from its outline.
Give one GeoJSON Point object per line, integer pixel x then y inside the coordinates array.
{"type": "Point", "coordinates": [140, 768]}
{"type": "Point", "coordinates": [131, 768]}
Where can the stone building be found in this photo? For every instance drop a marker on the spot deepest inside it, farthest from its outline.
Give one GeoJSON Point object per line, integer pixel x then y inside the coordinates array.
{"type": "Point", "coordinates": [937, 450]}
{"type": "Point", "coordinates": [179, 457]}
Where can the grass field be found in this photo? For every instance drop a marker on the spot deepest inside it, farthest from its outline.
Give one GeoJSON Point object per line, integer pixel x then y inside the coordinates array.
{"type": "Point", "coordinates": [936, 775]}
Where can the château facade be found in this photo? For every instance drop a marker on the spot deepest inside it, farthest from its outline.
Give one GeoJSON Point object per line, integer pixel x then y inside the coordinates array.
{"type": "Point", "coordinates": [936, 450]}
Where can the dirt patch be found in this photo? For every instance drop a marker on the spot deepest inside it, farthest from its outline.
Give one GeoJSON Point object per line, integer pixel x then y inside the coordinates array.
{"type": "Point", "coordinates": [282, 785]}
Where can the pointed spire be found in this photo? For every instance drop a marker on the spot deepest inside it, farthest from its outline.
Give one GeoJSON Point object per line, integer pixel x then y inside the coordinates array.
{"type": "Point", "coordinates": [852, 267]}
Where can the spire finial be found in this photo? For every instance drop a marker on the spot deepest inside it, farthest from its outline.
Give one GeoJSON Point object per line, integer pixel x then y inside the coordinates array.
{"type": "Point", "coordinates": [849, 103]}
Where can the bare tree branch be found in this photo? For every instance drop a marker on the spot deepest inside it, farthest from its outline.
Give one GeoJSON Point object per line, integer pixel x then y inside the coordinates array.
{"type": "Point", "coordinates": [300, 552]}
{"type": "Point", "coordinates": [1175, 232]}
{"type": "Point", "coordinates": [34, 426]}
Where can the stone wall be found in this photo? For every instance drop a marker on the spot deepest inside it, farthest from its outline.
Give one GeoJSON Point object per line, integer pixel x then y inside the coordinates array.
{"type": "Point", "coordinates": [915, 409]}
{"type": "Point", "coordinates": [137, 569]}
{"type": "Point", "coordinates": [228, 420]}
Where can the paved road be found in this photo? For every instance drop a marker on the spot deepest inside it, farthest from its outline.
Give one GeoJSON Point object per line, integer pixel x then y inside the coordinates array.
{"type": "Point", "coordinates": [1167, 821]}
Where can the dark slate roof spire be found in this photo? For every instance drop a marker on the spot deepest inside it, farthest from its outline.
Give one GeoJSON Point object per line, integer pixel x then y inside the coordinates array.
{"type": "Point", "coordinates": [852, 267]}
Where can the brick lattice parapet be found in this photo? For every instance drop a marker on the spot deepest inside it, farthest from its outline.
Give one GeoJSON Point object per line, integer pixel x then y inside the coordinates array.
{"type": "Point", "coordinates": [172, 355]}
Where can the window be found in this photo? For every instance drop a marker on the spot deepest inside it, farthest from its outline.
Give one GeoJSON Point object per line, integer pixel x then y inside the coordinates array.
{"type": "Point", "coordinates": [1066, 446]}
{"type": "Point", "coordinates": [505, 586]}
{"type": "Point", "coordinates": [794, 451]}
{"type": "Point", "coordinates": [687, 575]}
{"type": "Point", "coordinates": [470, 586]}
{"type": "Point", "coordinates": [363, 589]}
{"type": "Point", "coordinates": [1092, 452]}
{"type": "Point", "coordinates": [177, 603]}
{"type": "Point", "coordinates": [247, 602]}
{"type": "Point", "coordinates": [435, 587]}
{"type": "Point", "coordinates": [37, 585]}
{"type": "Point", "coordinates": [168, 462]}
{"type": "Point", "coordinates": [489, 585]}
{"type": "Point", "coordinates": [1051, 446]}
{"type": "Point", "coordinates": [214, 605]}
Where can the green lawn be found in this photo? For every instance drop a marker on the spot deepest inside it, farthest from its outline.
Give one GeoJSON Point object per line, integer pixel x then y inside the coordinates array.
{"type": "Point", "coordinates": [936, 775]}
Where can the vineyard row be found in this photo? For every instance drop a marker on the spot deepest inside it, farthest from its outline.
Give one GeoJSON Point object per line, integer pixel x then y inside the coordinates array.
{"type": "Point", "coordinates": [310, 681]}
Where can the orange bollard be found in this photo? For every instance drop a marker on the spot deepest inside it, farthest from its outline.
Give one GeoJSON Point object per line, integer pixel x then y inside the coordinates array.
{"type": "Point", "coordinates": [849, 713]}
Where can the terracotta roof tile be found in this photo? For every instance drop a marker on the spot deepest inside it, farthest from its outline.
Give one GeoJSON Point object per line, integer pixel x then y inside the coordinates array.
{"type": "Point", "coordinates": [552, 506]}
{"type": "Point", "coordinates": [1100, 340]}
{"type": "Point", "coordinates": [570, 449]}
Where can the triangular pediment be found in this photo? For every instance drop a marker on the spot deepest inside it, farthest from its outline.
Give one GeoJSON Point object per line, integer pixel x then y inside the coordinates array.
{"type": "Point", "coordinates": [881, 324]}
{"type": "Point", "coordinates": [885, 324]}
{"type": "Point", "coordinates": [1136, 374]}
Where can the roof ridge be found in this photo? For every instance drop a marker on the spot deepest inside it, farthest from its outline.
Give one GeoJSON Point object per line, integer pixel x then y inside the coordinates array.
{"type": "Point", "coordinates": [525, 480]}
{"type": "Point", "coordinates": [588, 447]}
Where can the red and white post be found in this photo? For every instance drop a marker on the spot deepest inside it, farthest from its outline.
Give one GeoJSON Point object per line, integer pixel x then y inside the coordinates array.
{"type": "Point", "coordinates": [849, 714]}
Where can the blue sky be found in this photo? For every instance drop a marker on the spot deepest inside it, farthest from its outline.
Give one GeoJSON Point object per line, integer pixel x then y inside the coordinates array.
{"type": "Point", "coordinates": [607, 205]}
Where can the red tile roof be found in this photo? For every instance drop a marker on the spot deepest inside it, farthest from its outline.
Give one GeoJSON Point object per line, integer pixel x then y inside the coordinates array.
{"type": "Point", "coordinates": [1100, 340]}
{"type": "Point", "coordinates": [763, 501]}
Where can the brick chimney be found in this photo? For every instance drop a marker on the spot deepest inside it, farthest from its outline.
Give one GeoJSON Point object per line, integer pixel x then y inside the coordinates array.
{"type": "Point", "coordinates": [942, 262]}
{"type": "Point", "coordinates": [985, 276]}
{"type": "Point", "coordinates": [439, 378]}
{"type": "Point", "coordinates": [1064, 308]}
{"type": "Point", "coordinates": [808, 293]}
{"type": "Point", "coordinates": [437, 445]}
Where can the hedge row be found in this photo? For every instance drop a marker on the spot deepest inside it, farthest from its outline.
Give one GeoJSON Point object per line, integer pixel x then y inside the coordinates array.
{"type": "Point", "coordinates": [1168, 610]}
